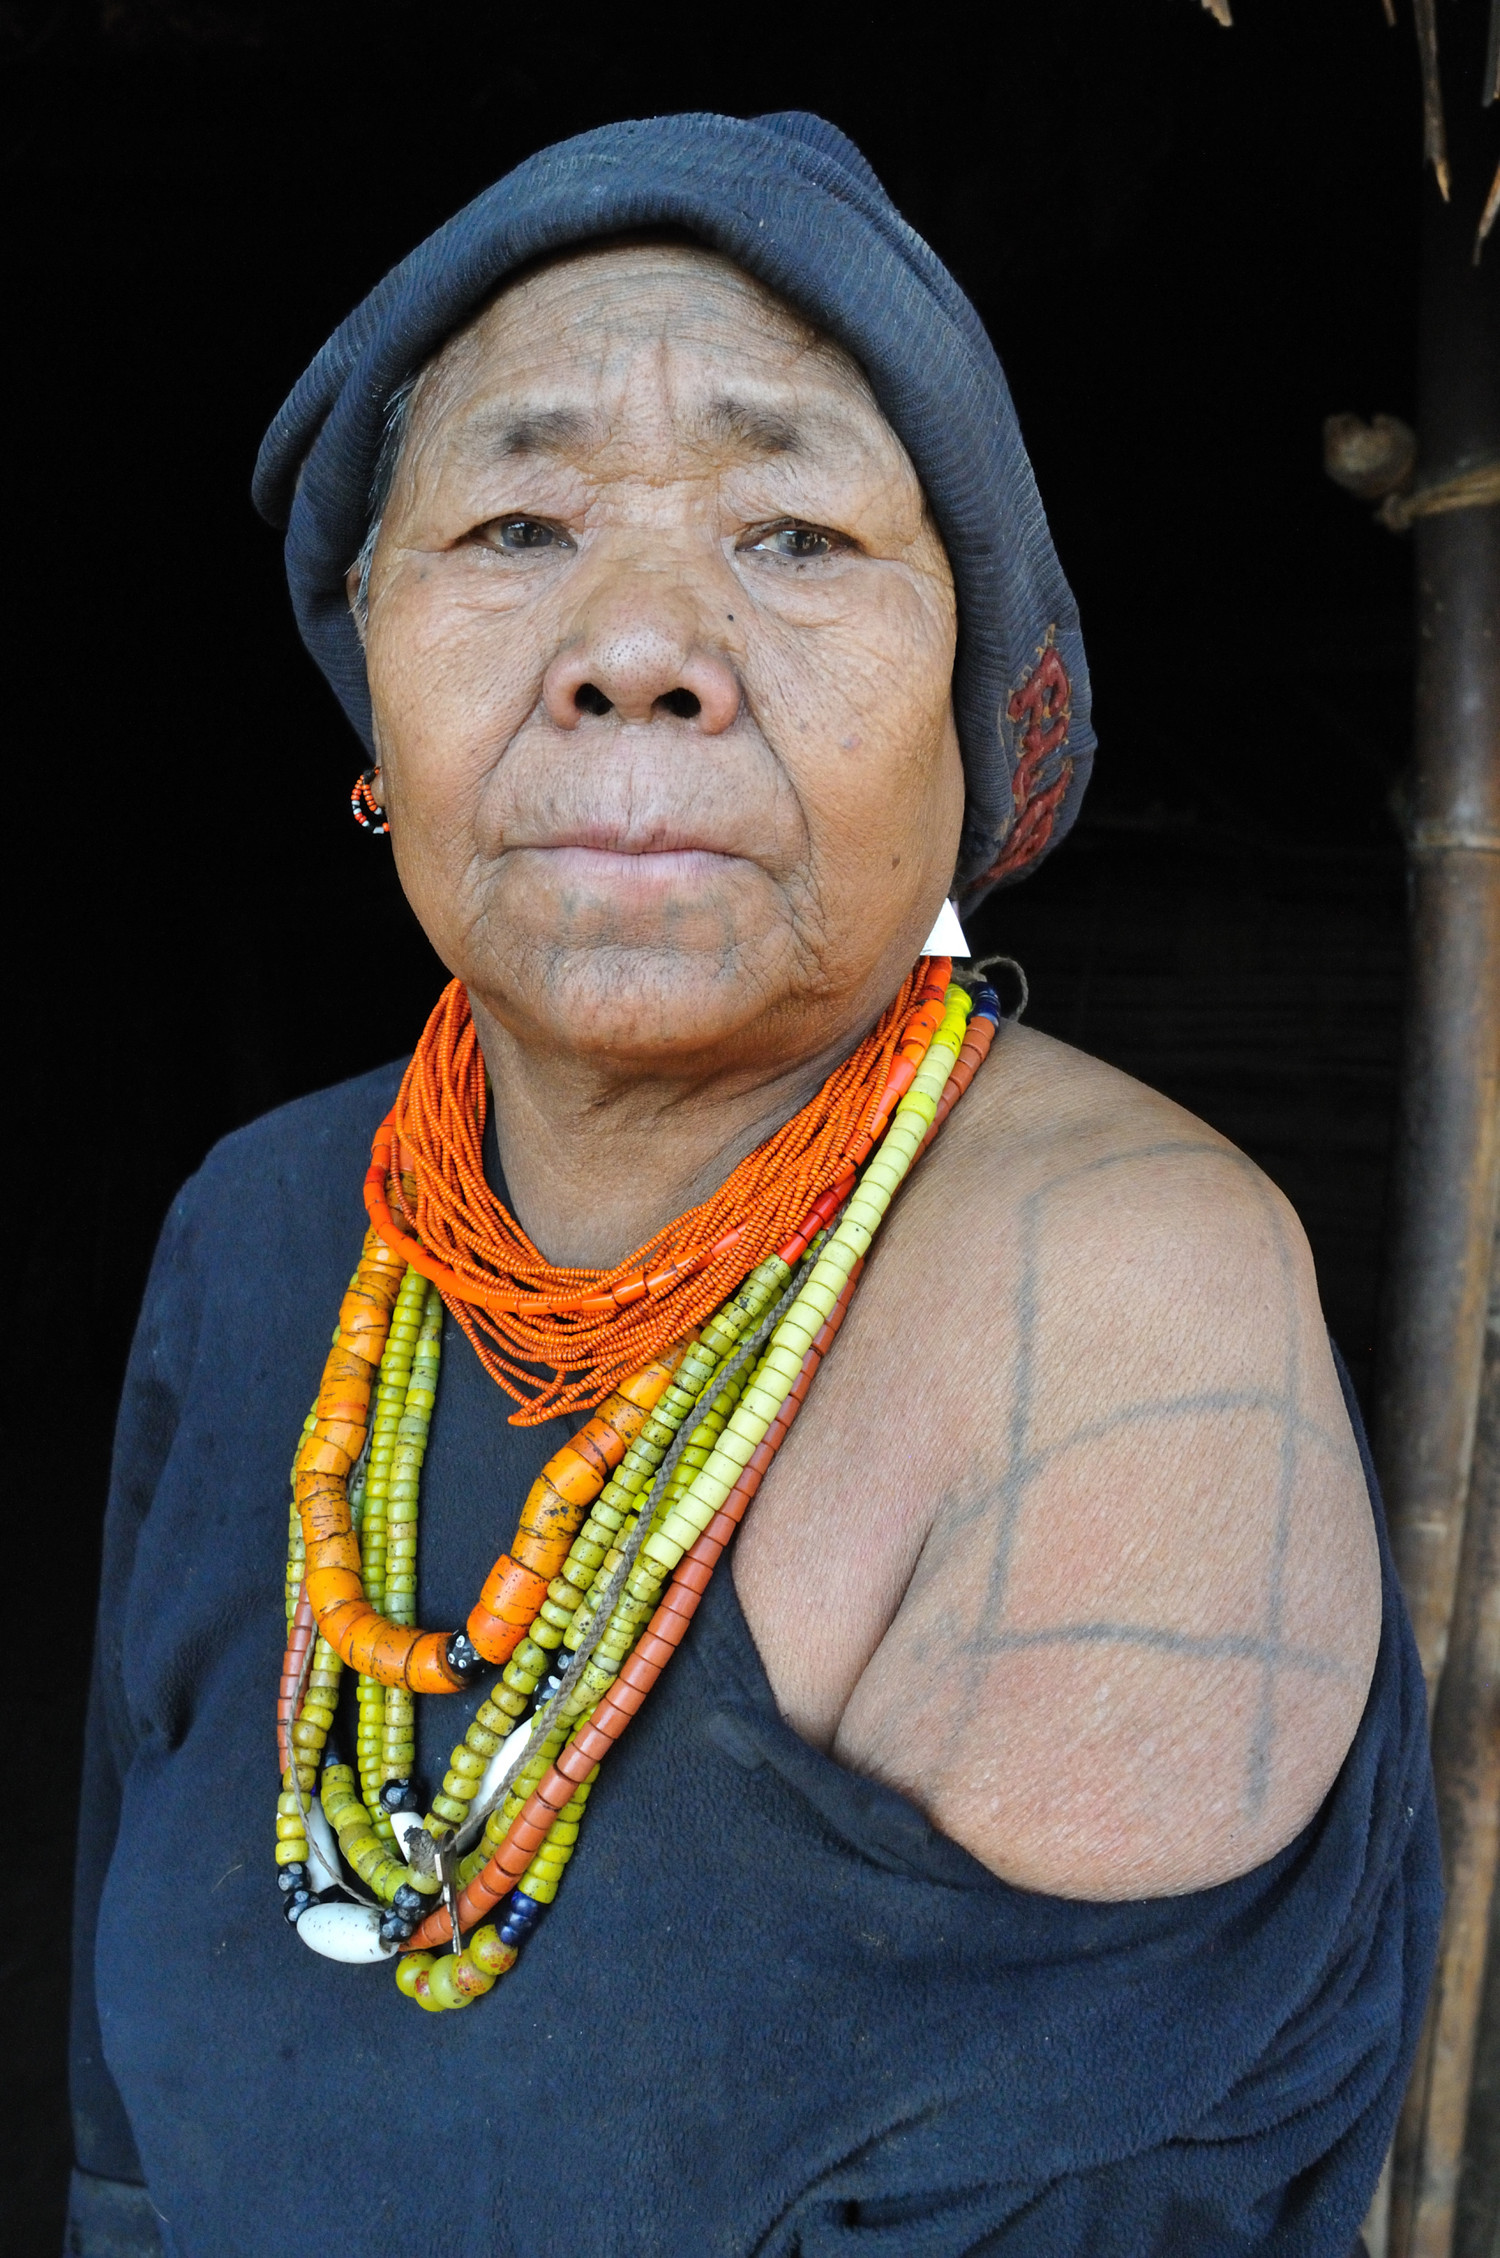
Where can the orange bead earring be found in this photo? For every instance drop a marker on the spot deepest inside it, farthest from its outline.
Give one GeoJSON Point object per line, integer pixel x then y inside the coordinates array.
{"type": "Point", "coordinates": [362, 799]}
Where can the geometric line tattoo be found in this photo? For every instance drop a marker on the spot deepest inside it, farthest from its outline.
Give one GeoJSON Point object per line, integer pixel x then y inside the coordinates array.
{"type": "Point", "coordinates": [1024, 1463]}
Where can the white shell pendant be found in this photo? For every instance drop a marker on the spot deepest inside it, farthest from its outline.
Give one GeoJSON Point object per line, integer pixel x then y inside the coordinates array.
{"type": "Point", "coordinates": [501, 1762]}
{"type": "Point", "coordinates": [947, 937]}
{"type": "Point", "coordinates": [345, 1932]}
{"type": "Point", "coordinates": [405, 1824]}
{"type": "Point", "coordinates": [322, 1850]}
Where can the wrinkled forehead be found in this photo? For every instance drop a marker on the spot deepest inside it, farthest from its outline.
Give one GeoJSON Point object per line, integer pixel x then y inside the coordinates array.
{"type": "Point", "coordinates": [574, 357]}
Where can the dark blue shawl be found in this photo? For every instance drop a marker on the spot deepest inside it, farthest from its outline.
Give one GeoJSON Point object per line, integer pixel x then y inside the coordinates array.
{"type": "Point", "coordinates": [771, 2011]}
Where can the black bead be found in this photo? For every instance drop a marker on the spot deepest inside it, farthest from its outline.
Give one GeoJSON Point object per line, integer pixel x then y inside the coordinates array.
{"type": "Point", "coordinates": [293, 1877]}
{"type": "Point", "coordinates": [408, 1902]}
{"type": "Point", "coordinates": [464, 1656]}
{"type": "Point", "coordinates": [393, 1930]}
{"type": "Point", "coordinates": [297, 1904]}
{"type": "Point", "coordinates": [394, 1794]}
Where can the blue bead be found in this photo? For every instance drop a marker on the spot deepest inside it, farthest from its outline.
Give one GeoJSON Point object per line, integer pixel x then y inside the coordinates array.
{"type": "Point", "coordinates": [512, 1937]}
{"type": "Point", "coordinates": [986, 1004]}
{"type": "Point", "coordinates": [527, 1907]}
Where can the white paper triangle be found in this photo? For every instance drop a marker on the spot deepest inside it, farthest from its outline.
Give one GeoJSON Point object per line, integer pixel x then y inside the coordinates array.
{"type": "Point", "coordinates": [947, 937]}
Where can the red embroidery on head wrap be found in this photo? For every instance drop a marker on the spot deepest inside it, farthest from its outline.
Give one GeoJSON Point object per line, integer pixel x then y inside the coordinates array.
{"type": "Point", "coordinates": [1044, 697]}
{"type": "Point", "coordinates": [1044, 703]}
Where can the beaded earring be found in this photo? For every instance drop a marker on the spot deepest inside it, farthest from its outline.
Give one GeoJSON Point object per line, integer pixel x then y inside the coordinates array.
{"type": "Point", "coordinates": [363, 798]}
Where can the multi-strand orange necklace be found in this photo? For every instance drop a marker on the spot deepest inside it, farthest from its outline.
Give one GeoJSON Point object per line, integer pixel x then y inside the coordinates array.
{"type": "Point", "coordinates": [698, 1353]}
{"type": "Point", "coordinates": [428, 1198]}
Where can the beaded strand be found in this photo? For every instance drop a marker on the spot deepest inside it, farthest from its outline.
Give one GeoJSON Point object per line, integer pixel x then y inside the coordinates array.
{"type": "Point", "coordinates": [555, 1617]}
{"type": "Point", "coordinates": [528, 1823]}
{"type": "Point", "coordinates": [602, 1536]}
{"type": "Point", "coordinates": [377, 1763]}
{"type": "Point", "coordinates": [687, 1519]}
{"type": "Point", "coordinates": [398, 1746]}
{"type": "Point", "coordinates": [372, 1642]}
{"type": "Point", "coordinates": [593, 1327]}
{"type": "Point", "coordinates": [387, 1475]}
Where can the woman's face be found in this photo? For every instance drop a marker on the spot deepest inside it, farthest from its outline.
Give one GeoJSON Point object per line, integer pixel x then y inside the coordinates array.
{"type": "Point", "coordinates": [660, 640]}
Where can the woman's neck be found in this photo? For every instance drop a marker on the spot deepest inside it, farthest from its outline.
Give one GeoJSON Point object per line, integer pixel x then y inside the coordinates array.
{"type": "Point", "coordinates": [596, 1163]}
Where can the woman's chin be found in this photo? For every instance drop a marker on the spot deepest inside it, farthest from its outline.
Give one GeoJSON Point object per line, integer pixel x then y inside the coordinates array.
{"type": "Point", "coordinates": [640, 990]}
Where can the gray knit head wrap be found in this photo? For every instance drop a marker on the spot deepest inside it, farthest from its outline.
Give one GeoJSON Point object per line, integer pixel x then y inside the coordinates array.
{"type": "Point", "coordinates": [789, 199]}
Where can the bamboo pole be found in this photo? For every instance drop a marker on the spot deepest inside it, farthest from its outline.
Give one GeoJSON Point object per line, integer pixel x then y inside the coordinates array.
{"type": "Point", "coordinates": [1448, 1138]}
{"type": "Point", "coordinates": [1466, 1755]}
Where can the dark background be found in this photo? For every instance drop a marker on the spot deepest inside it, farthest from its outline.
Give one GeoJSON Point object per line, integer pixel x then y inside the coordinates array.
{"type": "Point", "coordinates": [1189, 246]}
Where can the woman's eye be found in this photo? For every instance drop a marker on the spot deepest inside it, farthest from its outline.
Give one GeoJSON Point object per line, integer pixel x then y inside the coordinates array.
{"type": "Point", "coordinates": [803, 544]}
{"type": "Point", "coordinates": [518, 533]}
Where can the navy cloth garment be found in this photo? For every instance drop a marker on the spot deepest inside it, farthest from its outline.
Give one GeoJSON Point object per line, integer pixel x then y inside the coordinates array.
{"type": "Point", "coordinates": [771, 2011]}
{"type": "Point", "coordinates": [794, 203]}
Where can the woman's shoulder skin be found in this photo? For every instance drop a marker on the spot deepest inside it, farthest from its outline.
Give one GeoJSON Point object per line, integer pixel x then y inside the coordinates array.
{"type": "Point", "coordinates": [1072, 1544]}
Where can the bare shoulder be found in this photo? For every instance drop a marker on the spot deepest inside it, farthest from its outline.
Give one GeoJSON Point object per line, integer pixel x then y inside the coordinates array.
{"type": "Point", "coordinates": [1141, 1603]}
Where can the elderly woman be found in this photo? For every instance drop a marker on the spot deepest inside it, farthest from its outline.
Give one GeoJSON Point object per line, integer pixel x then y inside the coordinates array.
{"type": "Point", "coordinates": [1024, 1842]}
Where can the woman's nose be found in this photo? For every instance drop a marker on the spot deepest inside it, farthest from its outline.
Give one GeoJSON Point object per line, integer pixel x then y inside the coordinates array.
{"type": "Point", "coordinates": [641, 664]}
